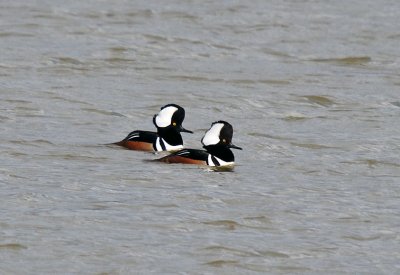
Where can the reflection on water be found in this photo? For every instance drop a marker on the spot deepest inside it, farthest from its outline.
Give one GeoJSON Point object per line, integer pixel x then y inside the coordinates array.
{"type": "Point", "coordinates": [311, 89]}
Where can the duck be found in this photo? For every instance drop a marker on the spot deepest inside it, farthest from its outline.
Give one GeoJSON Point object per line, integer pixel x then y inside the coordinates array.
{"type": "Point", "coordinates": [217, 144]}
{"type": "Point", "coordinates": [168, 137]}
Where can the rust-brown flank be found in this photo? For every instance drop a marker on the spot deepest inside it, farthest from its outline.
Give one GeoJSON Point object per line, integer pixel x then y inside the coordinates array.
{"type": "Point", "coordinates": [136, 145]}
{"type": "Point", "coordinates": [179, 159]}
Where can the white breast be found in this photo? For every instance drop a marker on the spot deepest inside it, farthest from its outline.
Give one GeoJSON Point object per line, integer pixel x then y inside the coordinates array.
{"type": "Point", "coordinates": [221, 162]}
{"type": "Point", "coordinates": [168, 147]}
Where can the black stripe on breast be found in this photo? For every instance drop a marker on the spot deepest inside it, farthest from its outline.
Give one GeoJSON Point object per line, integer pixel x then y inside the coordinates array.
{"type": "Point", "coordinates": [162, 145]}
{"type": "Point", "coordinates": [215, 161]}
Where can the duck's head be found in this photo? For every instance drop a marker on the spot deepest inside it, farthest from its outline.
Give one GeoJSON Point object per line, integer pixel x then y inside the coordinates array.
{"type": "Point", "coordinates": [171, 116]}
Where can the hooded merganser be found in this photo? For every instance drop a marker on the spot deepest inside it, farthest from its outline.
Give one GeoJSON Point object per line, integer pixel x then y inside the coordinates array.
{"type": "Point", "coordinates": [168, 136]}
{"type": "Point", "coordinates": [217, 142]}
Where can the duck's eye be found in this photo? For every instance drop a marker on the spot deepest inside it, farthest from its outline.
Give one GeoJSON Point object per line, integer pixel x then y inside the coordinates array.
{"type": "Point", "coordinates": [224, 140]}
{"type": "Point", "coordinates": [174, 123]}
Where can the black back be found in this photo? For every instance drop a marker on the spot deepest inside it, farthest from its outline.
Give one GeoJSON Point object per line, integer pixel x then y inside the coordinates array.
{"type": "Point", "coordinates": [196, 154]}
{"type": "Point", "coordinates": [143, 136]}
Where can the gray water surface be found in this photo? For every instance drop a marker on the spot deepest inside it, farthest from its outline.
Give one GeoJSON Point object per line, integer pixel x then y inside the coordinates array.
{"type": "Point", "coordinates": [312, 89]}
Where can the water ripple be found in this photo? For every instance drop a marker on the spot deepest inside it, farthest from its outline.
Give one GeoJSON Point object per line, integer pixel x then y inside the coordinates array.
{"type": "Point", "coordinates": [13, 246]}
{"type": "Point", "coordinates": [348, 61]}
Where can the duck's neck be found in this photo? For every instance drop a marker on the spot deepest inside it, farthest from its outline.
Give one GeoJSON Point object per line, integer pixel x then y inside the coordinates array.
{"type": "Point", "coordinates": [220, 151]}
{"type": "Point", "coordinates": [170, 136]}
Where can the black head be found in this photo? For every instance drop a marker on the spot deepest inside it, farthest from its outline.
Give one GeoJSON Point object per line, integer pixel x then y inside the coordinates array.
{"type": "Point", "coordinates": [220, 133]}
{"type": "Point", "coordinates": [171, 116]}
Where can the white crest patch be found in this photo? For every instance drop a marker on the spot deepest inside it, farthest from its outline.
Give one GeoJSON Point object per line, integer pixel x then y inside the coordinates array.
{"type": "Point", "coordinates": [164, 117]}
{"type": "Point", "coordinates": [212, 135]}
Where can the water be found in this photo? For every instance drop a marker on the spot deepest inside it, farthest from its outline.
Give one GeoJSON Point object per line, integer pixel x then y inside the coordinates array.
{"type": "Point", "coordinates": [312, 91]}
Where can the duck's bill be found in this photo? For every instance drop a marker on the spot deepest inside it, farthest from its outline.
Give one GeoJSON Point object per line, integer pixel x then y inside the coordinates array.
{"type": "Point", "coordinates": [234, 147]}
{"type": "Point", "coordinates": [186, 131]}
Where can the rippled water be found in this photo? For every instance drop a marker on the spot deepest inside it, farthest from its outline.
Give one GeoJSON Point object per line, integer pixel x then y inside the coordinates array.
{"type": "Point", "coordinates": [312, 90]}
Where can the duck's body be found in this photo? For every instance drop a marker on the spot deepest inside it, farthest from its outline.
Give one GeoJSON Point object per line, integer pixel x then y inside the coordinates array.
{"type": "Point", "coordinates": [139, 140]}
{"type": "Point", "coordinates": [217, 144]}
{"type": "Point", "coordinates": [168, 136]}
{"type": "Point", "coordinates": [188, 156]}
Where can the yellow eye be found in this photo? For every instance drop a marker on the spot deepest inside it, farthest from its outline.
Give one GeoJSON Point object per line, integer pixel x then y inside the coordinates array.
{"type": "Point", "coordinates": [174, 123]}
{"type": "Point", "coordinates": [224, 140]}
